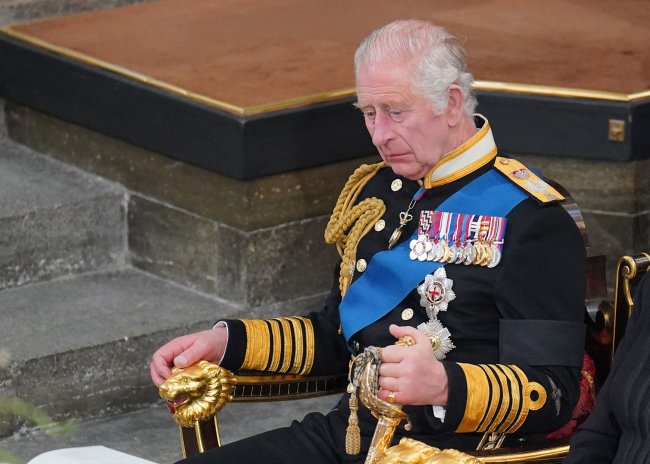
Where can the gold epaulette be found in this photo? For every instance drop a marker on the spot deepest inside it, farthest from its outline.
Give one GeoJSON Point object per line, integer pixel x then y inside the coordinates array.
{"type": "Point", "coordinates": [527, 180]}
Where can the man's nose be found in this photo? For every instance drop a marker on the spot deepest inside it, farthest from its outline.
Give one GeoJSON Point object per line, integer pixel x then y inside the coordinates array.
{"type": "Point", "coordinates": [382, 129]}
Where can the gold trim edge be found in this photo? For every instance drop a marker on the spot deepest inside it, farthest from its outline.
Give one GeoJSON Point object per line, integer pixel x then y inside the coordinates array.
{"type": "Point", "coordinates": [322, 97]}
{"type": "Point", "coordinates": [527, 456]}
{"type": "Point", "coordinates": [236, 110]}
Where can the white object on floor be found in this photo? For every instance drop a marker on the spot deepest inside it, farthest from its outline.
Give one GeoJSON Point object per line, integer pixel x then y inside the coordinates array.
{"type": "Point", "coordinates": [86, 455]}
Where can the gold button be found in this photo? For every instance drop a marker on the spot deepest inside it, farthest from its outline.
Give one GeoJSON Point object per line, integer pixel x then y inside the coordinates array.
{"type": "Point", "coordinates": [407, 314]}
{"type": "Point", "coordinates": [361, 265]}
{"type": "Point", "coordinates": [396, 185]}
{"type": "Point", "coordinates": [379, 225]}
{"type": "Point", "coordinates": [504, 161]}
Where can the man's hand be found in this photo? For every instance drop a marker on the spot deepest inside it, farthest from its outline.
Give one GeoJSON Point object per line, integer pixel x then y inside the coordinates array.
{"type": "Point", "coordinates": [187, 350]}
{"type": "Point", "coordinates": [412, 372]}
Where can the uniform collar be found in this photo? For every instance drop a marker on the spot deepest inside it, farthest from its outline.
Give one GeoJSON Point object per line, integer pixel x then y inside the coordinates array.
{"type": "Point", "coordinates": [475, 153]}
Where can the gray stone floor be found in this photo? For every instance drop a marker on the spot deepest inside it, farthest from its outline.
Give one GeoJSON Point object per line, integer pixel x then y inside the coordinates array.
{"type": "Point", "coordinates": [151, 433]}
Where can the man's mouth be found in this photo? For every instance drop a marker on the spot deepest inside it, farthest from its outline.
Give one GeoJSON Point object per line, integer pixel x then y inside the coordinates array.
{"type": "Point", "coordinates": [392, 156]}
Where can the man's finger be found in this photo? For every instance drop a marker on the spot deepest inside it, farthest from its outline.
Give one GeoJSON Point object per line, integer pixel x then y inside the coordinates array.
{"type": "Point", "coordinates": [388, 370]}
{"type": "Point", "coordinates": [192, 354]}
{"type": "Point", "coordinates": [159, 372]}
{"type": "Point", "coordinates": [392, 354]}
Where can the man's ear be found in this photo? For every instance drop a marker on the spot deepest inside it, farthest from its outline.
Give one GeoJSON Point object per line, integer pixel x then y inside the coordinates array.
{"type": "Point", "coordinates": [455, 105]}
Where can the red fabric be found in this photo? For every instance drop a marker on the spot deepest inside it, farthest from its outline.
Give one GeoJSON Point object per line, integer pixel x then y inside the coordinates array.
{"type": "Point", "coordinates": [585, 403]}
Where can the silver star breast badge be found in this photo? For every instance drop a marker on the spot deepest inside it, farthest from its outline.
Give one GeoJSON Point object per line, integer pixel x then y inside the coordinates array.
{"type": "Point", "coordinates": [436, 293]}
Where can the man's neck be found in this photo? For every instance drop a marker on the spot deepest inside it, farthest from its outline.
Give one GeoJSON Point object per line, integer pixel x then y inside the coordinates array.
{"type": "Point", "coordinates": [462, 132]}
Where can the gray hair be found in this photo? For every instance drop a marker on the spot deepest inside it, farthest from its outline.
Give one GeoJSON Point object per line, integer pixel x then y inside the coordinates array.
{"type": "Point", "coordinates": [438, 59]}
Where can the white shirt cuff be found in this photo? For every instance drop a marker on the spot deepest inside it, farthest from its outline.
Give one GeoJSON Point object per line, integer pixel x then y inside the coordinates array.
{"type": "Point", "coordinates": [439, 412]}
{"type": "Point", "coordinates": [222, 324]}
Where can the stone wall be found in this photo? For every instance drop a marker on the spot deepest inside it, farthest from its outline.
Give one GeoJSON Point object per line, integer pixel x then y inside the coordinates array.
{"type": "Point", "coordinates": [16, 11]}
{"type": "Point", "coordinates": [255, 243]}
{"type": "Point", "coordinates": [260, 242]}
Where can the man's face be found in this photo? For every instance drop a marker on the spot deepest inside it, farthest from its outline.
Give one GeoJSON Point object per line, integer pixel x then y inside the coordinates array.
{"type": "Point", "coordinates": [409, 136]}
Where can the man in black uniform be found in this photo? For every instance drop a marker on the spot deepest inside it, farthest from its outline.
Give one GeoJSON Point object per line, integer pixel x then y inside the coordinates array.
{"type": "Point", "coordinates": [467, 253]}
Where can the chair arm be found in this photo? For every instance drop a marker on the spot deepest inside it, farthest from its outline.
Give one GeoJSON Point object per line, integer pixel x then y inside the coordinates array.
{"type": "Point", "coordinates": [253, 386]}
{"type": "Point", "coordinates": [195, 396]}
{"type": "Point", "coordinates": [629, 271]}
{"type": "Point", "coordinates": [545, 452]}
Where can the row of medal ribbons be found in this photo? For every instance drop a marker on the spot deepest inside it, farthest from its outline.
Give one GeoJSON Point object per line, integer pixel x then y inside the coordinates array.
{"type": "Point", "coordinates": [459, 238]}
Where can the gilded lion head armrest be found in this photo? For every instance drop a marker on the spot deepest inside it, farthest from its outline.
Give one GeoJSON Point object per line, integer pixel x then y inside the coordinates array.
{"type": "Point", "coordinates": [197, 392]}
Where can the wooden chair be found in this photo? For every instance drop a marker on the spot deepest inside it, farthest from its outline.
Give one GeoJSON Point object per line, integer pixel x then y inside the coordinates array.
{"type": "Point", "coordinates": [605, 322]}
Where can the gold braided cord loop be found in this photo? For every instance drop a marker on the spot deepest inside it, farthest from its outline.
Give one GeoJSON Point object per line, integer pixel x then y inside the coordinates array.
{"type": "Point", "coordinates": [358, 219]}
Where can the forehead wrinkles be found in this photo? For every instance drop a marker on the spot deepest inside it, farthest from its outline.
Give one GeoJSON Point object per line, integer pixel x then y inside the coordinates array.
{"type": "Point", "coordinates": [385, 83]}
{"type": "Point", "coordinates": [381, 96]}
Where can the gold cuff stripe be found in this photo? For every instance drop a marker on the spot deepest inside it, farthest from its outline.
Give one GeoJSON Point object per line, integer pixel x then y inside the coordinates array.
{"type": "Point", "coordinates": [287, 344]}
{"type": "Point", "coordinates": [304, 342]}
{"type": "Point", "coordinates": [269, 358]}
{"type": "Point", "coordinates": [515, 399]}
{"type": "Point", "coordinates": [528, 403]}
{"type": "Point", "coordinates": [503, 388]}
{"type": "Point", "coordinates": [298, 335]}
{"type": "Point", "coordinates": [310, 346]}
{"type": "Point", "coordinates": [499, 398]}
{"type": "Point", "coordinates": [283, 344]}
{"type": "Point", "coordinates": [496, 398]}
{"type": "Point", "coordinates": [298, 343]}
{"type": "Point", "coordinates": [277, 345]}
{"type": "Point", "coordinates": [258, 345]}
{"type": "Point", "coordinates": [478, 392]}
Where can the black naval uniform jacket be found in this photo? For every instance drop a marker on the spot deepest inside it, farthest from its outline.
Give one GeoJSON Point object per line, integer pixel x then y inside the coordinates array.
{"type": "Point", "coordinates": [514, 313]}
{"type": "Point", "coordinates": [618, 430]}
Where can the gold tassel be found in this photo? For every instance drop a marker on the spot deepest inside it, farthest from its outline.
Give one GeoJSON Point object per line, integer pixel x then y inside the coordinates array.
{"type": "Point", "coordinates": [352, 433]}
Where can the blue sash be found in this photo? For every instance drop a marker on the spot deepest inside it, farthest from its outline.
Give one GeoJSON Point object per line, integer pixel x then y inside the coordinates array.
{"type": "Point", "coordinates": [391, 275]}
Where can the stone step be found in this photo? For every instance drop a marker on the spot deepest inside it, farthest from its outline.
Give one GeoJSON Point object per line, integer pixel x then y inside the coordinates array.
{"type": "Point", "coordinates": [151, 434]}
{"type": "Point", "coordinates": [55, 220]}
{"type": "Point", "coordinates": [79, 347]}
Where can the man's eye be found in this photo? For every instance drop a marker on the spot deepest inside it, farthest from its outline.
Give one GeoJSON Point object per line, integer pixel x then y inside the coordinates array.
{"type": "Point", "coordinates": [369, 114]}
{"type": "Point", "coordinates": [395, 114]}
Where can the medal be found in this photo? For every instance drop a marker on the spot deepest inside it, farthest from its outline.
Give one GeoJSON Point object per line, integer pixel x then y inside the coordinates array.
{"type": "Point", "coordinates": [420, 248]}
{"type": "Point", "coordinates": [470, 254]}
{"type": "Point", "coordinates": [458, 238]}
{"type": "Point", "coordinates": [495, 258]}
{"type": "Point", "coordinates": [439, 337]}
{"type": "Point", "coordinates": [436, 293]}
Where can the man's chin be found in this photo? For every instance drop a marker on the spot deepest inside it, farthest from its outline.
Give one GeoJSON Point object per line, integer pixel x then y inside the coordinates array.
{"type": "Point", "coordinates": [404, 170]}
